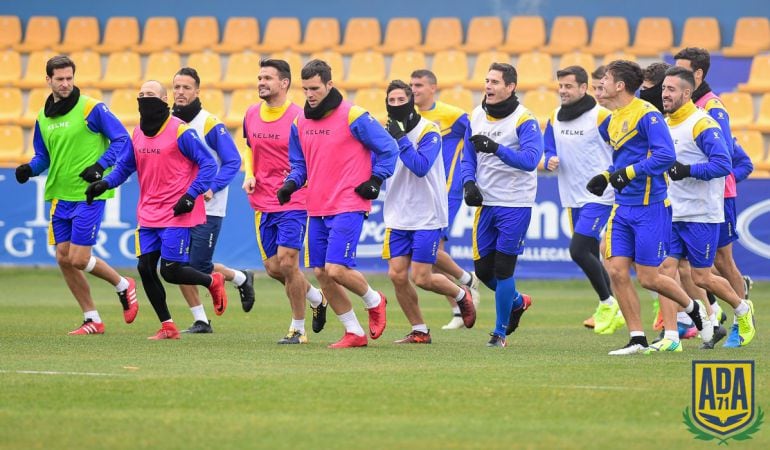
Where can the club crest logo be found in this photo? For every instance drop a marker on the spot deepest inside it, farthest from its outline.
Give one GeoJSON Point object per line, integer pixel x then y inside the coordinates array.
{"type": "Point", "coordinates": [723, 404]}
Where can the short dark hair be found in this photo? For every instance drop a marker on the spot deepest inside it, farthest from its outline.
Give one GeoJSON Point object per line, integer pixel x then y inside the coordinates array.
{"type": "Point", "coordinates": [628, 72]}
{"type": "Point", "coordinates": [192, 73]}
{"type": "Point", "coordinates": [508, 71]}
{"type": "Point", "coordinates": [655, 72]}
{"type": "Point", "coordinates": [599, 72]}
{"type": "Point", "coordinates": [317, 67]}
{"type": "Point", "coordinates": [581, 76]}
{"type": "Point", "coordinates": [699, 58]}
{"type": "Point", "coordinates": [59, 62]}
{"type": "Point", "coordinates": [425, 73]}
{"type": "Point", "coordinates": [280, 66]}
{"type": "Point", "coordinates": [683, 74]}
{"type": "Point", "coordinates": [398, 84]}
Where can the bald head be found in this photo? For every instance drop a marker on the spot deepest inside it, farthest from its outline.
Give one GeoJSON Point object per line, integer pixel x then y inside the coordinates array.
{"type": "Point", "coordinates": [153, 88]}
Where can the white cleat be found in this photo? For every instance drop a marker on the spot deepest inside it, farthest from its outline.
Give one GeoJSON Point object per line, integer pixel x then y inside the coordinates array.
{"type": "Point", "coordinates": [455, 324]}
{"type": "Point", "coordinates": [630, 349]}
{"type": "Point", "coordinates": [474, 288]}
{"type": "Point", "coordinates": [707, 332]}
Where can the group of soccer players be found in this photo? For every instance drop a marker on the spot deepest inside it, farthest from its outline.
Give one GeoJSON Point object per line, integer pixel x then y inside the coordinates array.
{"type": "Point", "coordinates": [313, 171]}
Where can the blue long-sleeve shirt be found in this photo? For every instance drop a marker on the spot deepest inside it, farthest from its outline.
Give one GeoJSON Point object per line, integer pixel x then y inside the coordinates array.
{"type": "Point", "coordinates": [420, 160]}
{"type": "Point", "coordinates": [714, 147]}
{"type": "Point", "coordinates": [742, 165]}
{"type": "Point", "coordinates": [219, 140]}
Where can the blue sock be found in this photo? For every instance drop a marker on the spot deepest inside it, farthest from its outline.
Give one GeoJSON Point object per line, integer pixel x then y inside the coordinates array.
{"type": "Point", "coordinates": [504, 299]}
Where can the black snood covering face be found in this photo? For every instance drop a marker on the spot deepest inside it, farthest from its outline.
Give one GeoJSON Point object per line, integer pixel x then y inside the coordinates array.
{"type": "Point", "coordinates": [153, 113]}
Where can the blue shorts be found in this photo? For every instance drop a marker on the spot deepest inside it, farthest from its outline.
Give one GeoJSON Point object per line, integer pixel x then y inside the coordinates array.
{"type": "Point", "coordinates": [590, 219]}
{"type": "Point", "coordinates": [76, 222]}
{"type": "Point", "coordinates": [333, 239]}
{"type": "Point", "coordinates": [203, 239]}
{"type": "Point", "coordinates": [500, 228]}
{"type": "Point", "coordinates": [640, 232]}
{"type": "Point", "coordinates": [727, 233]}
{"type": "Point", "coordinates": [695, 241]}
{"type": "Point", "coordinates": [173, 242]}
{"type": "Point", "coordinates": [454, 208]}
{"type": "Point", "coordinates": [285, 229]}
{"type": "Point", "coordinates": [422, 245]}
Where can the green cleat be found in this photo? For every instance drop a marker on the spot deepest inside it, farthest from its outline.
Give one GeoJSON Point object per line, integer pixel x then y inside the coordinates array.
{"type": "Point", "coordinates": [617, 323]}
{"type": "Point", "coordinates": [604, 316]}
{"type": "Point", "coordinates": [746, 329]}
{"type": "Point", "coordinates": [664, 345]}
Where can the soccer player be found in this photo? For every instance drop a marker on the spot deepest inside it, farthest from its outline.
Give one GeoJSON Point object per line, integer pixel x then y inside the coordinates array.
{"type": "Point", "coordinates": [503, 146]}
{"type": "Point", "coordinates": [452, 121]}
{"type": "Point", "coordinates": [596, 84]}
{"type": "Point", "coordinates": [77, 138]}
{"type": "Point", "coordinates": [203, 237]}
{"type": "Point", "coordinates": [696, 193]}
{"type": "Point", "coordinates": [652, 84]}
{"type": "Point", "coordinates": [280, 228]}
{"type": "Point", "coordinates": [174, 169]}
{"type": "Point", "coordinates": [331, 146]}
{"type": "Point", "coordinates": [415, 213]}
{"type": "Point", "coordinates": [639, 227]}
{"type": "Point", "coordinates": [575, 150]}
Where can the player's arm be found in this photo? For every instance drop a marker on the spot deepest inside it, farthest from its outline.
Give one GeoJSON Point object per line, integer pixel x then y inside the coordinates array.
{"type": "Point", "coordinates": [709, 139]}
{"type": "Point", "coordinates": [42, 158]}
{"type": "Point", "coordinates": [193, 149]}
{"type": "Point", "coordinates": [549, 143]}
{"type": "Point", "coordinates": [101, 120]}
{"type": "Point", "coordinates": [248, 157]}
{"type": "Point", "coordinates": [469, 162]}
{"type": "Point", "coordinates": [374, 137]}
{"type": "Point", "coordinates": [742, 165]}
{"type": "Point", "coordinates": [530, 145]}
{"type": "Point", "coordinates": [221, 142]}
{"type": "Point", "coordinates": [717, 111]}
{"type": "Point", "coordinates": [421, 159]}
{"type": "Point", "coordinates": [604, 131]}
{"type": "Point", "coordinates": [661, 147]}
{"type": "Point", "coordinates": [125, 166]}
{"type": "Point", "coordinates": [298, 173]}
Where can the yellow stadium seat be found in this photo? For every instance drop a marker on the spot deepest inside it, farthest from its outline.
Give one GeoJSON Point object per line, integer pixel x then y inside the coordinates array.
{"type": "Point", "coordinates": [11, 35]}
{"type": "Point", "coordinates": [123, 104]}
{"type": "Point", "coordinates": [93, 93]}
{"type": "Point", "coordinates": [200, 33]}
{"type": "Point", "coordinates": [208, 65]}
{"type": "Point", "coordinates": [213, 100]}
{"type": "Point", "coordinates": [610, 34]}
{"type": "Point", "coordinates": [443, 33]}
{"type": "Point", "coordinates": [42, 33]}
{"type": "Point", "coordinates": [294, 60]}
{"type": "Point", "coordinates": [10, 61]}
{"type": "Point", "coordinates": [484, 33]}
{"type": "Point", "coordinates": [740, 107]}
{"type": "Point", "coordinates": [584, 60]}
{"type": "Point", "coordinates": [402, 33]}
{"type": "Point", "coordinates": [450, 68]}
{"type": "Point", "coordinates": [240, 101]}
{"type": "Point", "coordinates": [535, 70]}
{"type": "Point", "coordinates": [240, 143]}
{"type": "Point", "coordinates": [81, 33]}
{"type": "Point", "coordinates": [752, 36]}
{"type": "Point", "coordinates": [618, 55]}
{"type": "Point", "coordinates": [763, 116]}
{"type": "Point", "coordinates": [321, 33]}
{"type": "Point", "coordinates": [11, 145]}
{"type": "Point", "coordinates": [459, 97]}
{"type": "Point", "coordinates": [654, 35]}
{"type": "Point", "coordinates": [297, 96]}
{"type": "Point", "coordinates": [35, 101]}
{"type": "Point", "coordinates": [160, 33]}
{"type": "Point", "coordinates": [700, 32]}
{"type": "Point", "coordinates": [754, 146]}
{"type": "Point", "coordinates": [240, 33]}
{"type": "Point", "coordinates": [162, 66]}
{"type": "Point", "coordinates": [335, 61]}
{"type": "Point", "coordinates": [361, 33]}
{"type": "Point", "coordinates": [89, 68]}
{"type": "Point", "coordinates": [568, 33]}
{"type": "Point", "coordinates": [241, 73]}
{"type": "Point", "coordinates": [525, 34]}
{"type": "Point", "coordinates": [541, 103]}
{"type": "Point", "coordinates": [367, 69]}
{"type": "Point", "coordinates": [120, 34]}
{"type": "Point", "coordinates": [34, 76]}
{"type": "Point", "coordinates": [372, 100]}
{"type": "Point", "coordinates": [759, 76]}
{"type": "Point", "coordinates": [281, 33]}
{"type": "Point", "coordinates": [481, 68]}
{"type": "Point", "coordinates": [124, 70]}
{"type": "Point", "coordinates": [11, 106]}
{"type": "Point", "coordinates": [403, 64]}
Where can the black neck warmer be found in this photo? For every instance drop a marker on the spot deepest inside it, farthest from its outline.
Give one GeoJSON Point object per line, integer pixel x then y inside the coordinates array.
{"type": "Point", "coordinates": [188, 112]}
{"type": "Point", "coordinates": [153, 113]}
{"type": "Point", "coordinates": [575, 110]}
{"type": "Point", "coordinates": [702, 90]}
{"type": "Point", "coordinates": [654, 95]}
{"type": "Point", "coordinates": [502, 109]}
{"type": "Point", "coordinates": [405, 114]}
{"type": "Point", "coordinates": [331, 101]}
{"type": "Point", "coordinates": [63, 106]}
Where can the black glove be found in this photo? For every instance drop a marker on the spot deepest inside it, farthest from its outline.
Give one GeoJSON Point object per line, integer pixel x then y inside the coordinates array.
{"type": "Point", "coordinates": [23, 172]}
{"type": "Point", "coordinates": [185, 204]}
{"type": "Point", "coordinates": [679, 171]}
{"type": "Point", "coordinates": [472, 194]}
{"type": "Point", "coordinates": [622, 177]}
{"type": "Point", "coordinates": [395, 129]}
{"type": "Point", "coordinates": [369, 189]}
{"type": "Point", "coordinates": [483, 144]}
{"type": "Point", "coordinates": [96, 189]}
{"type": "Point", "coordinates": [92, 173]}
{"type": "Point", "coordinates": [284, 193]}
{"type": "Point", "coordinates": [598, 184]}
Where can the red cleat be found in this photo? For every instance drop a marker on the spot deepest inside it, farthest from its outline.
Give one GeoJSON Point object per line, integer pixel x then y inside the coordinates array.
{"type": "Point", "coordinates": [467, 309]}
{"type": "Point", "coordinates": [377, 319]}
{"type": "Point", "coordinates": [88, 327]}
{"type": "Point", "coordinates": [415, 337]}
{"type": "Point", "coordinates": [513, 320]}
{"type": "Point", "coordinates": [218, 293]}
{"type": "Point", "coordinates": [128, 300]}
{"type": "Point", "coordinates": [350, 340]}
{"type": "Point", "coordinates": [167, 331]}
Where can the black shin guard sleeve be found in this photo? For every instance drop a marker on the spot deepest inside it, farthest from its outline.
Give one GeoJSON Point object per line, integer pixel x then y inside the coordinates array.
{"type": "Point", "coordinates": [584, 251]}
{"type": "Point", "coordinates": [485, 269]}
{"type": "Point", "coordinates": [505, 265]}
{"type": "Point", "coordinates": [712, 298]}
{"type": "Point", "coordinates": [148, 271]}
{"type": "Point", "coordinates": [178, 273]}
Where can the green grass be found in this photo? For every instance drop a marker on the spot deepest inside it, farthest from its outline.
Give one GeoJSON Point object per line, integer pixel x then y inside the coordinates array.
{"type": "Point", "coordinates": [554, 387]}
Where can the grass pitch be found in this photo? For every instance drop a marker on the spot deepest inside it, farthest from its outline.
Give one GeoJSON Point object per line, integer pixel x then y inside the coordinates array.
{"type": "Point", "coordinates": [554, 387]}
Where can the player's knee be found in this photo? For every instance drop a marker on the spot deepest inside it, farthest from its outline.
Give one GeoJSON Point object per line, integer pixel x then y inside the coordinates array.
{"type": "Point", "coordinates": [580, 247]}
{"type": "Point", "coordinates": [321, 275]}
{"type": "Point", "coordinates": [170, 271]}
{"type": "Point", "coordinates": [485, 268]}
{"type": "Point", "coordinates": [702, 278]}
{"type": "Point", "coordinates": [287, 265]}
{"type": "Point", "coordinates": [504, 266]}
{"type": "Point", "coordinates": [398, 276]}
{"type": "Point", "coordinates": [617, 273]}
{"type": "Point", "coordinates": [423, 280]}
{"type": "Point", "coordinates": [86, 263]}
{"type": "Point", "coordinates": [336, 272]}
{"type": "Point", "coordinates": [648, 281]}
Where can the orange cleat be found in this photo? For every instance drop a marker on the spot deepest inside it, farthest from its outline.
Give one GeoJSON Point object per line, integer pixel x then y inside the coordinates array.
{"type": "Point", "coordinates": [218, 293]}
{"type": "Point", "coordinates": [167, 331]}
{"type": "Point", "coordinates": [377, 319]}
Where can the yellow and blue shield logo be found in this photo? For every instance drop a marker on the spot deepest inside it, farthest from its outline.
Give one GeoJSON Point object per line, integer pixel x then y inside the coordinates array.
{"type": "Point", "coordinates": [723, 395]}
